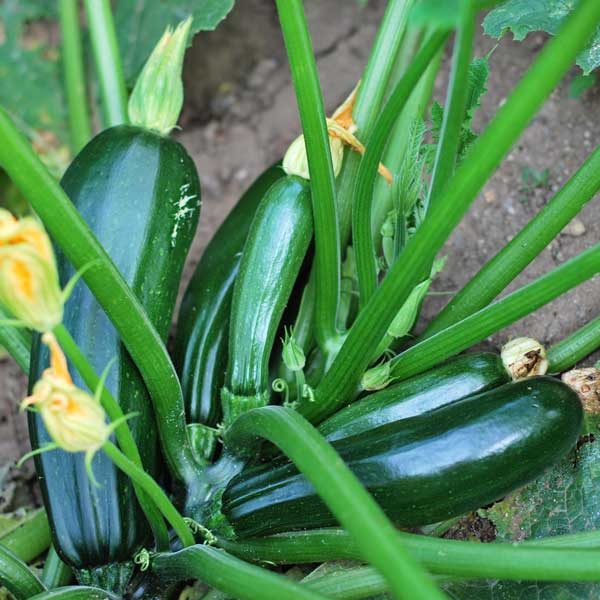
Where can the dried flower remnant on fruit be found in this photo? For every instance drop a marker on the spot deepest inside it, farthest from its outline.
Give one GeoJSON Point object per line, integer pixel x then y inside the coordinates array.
{"type": "Point", "coordinates": [341, 129]}
{"type": "Point", "coordinates": [524, 357]}
{"type": "Point", "coordinates": [29, 284]}
{"type": "Point", "coordinates": [586, 382]}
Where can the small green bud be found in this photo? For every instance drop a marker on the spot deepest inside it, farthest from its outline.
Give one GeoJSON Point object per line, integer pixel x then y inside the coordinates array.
{"type": "Point", "coordinates": [293, 355]}
{"type": "Point", "coordinates": [157, 97]}
{"type": "Point", "coordinates": [377, 377]}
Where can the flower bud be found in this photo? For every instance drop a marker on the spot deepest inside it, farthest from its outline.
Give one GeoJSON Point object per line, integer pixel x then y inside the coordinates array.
{"type": "Point", "coordinates": [295, 161]}
{"type": "Point", "coordinates": [377, 377]}
{"type": "Point", "coordinates": [524, 357]}
{"type": "Point", "coordinates": [293, 355]}
{"type": "Point", "coordinates": [29, 286]}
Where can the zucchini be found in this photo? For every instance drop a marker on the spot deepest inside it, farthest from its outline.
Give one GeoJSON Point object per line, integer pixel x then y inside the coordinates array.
{"type": "Point", "coordinates": [428, 468]}
{"type": "Point", "coordinates": [200, 354]}
{"type": "Point", "coordinates": [459, 377]}
{"type": "Point", "coordinates": [139, 193]}
{"type": "Point", "coordinates": [275, 249]}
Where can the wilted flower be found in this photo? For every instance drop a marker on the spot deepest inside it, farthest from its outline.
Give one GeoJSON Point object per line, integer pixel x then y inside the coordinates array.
{"type": "Point", "coordinates": [75, 420]}
{"type": "Point", "coordinates": [524, 357]}
{"type": "Point", "coordinates": [29, 286]}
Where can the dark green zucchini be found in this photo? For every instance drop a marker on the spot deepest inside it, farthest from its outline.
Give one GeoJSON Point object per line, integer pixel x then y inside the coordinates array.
{"type": "Point", "coordinates": [427, 468]}
{"type": "Point", "coordinates": [272, 256]}
{"type": "Point", "coordinates": [459, 377]}
{"type": "Point", "coordinates": [203, 323]}
{"type": "Point", "coordinates": [140, 195]}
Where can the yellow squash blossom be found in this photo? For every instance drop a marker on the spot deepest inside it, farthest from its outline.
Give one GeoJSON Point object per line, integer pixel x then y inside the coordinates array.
{"type": "Point", "coordinates": [29, 285]}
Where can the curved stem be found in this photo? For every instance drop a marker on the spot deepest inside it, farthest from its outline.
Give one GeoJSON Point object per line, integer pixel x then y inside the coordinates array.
{"type": "Point", "coordinates": [477, 327]}
{"type": "Point", "coordinates": [72, 56]}
{"type": "Point", "coordinates": [79, 244]}
{"type": "Point", "coordinates": [153, 490]}
{"type": "Point", "coordinates": [371, 92]}
{"type": "Point", "coordinates": [75, 593]}
{"type": "Point", "coordinates": [343, 493]}
{"type": "Point", "coordinates": [497, 273]}
{"type": "Point", "coordinates": [575, 347]}
{"type": "Point", "coordinates": [322, 180]}
{"type": "Point", "coordinates": [122, 432]}
{"type": "Point", "coordinates": [454, 111]}
{"type": "Point", "coordinates": [516, 562]}
{"type": "Point", "coordinates": [340, 382]}
{"type": "Point", "coordinates": [364, 250]}
{"type": "Point", "coordinates": [108, 61]}
{"type": "Point", "coordinates": [16, 577]}
{"type": "Point", "coordinates": [228, 574]}
{"type": "Point", "coordinates": [30, 538]}
{"type": "Point", "coordinates": [16, 341]}
{"type": "Point", "coordinates": [56, 573]}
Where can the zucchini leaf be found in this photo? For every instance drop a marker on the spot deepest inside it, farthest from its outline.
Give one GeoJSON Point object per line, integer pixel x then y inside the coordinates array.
{"type": "Point", "coordinates": [565, 499]}
{"type": "Point", "coordinates": [524, 16]}
{"type": "Point", "coordinates": [140, 23]}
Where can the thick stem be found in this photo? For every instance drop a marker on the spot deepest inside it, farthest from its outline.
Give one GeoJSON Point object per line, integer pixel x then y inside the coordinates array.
{"type": "Point", "coordinates": [456, 100]}
{"type": "Point", "coordinates": [83, 592]}
{"type": "Point", "coordinates": [228, 574]}
{"type": "Point", "coordinates": [141, 339]}
{"type": "Point", "coordinates": [30, 537]}
{"type": "Point", "coordinates": [16, 577]}
{"type": "Point", "coordinates": [575, 347]}
{"type": "Point", "coordinates": [72, 56]}
{"type": "Point", "coordinates": [477, 327]}
{"type": "Point", "coordinates": [340, 382]}
{"type": "Point", "coordinates": [122, 432]}
{"type": "Point", "coordinates": [56, 573]}
{"type": "Point", "coordinates": [497, 273]}
{"type": "Point", "coordinates": [339, 488]}
{"type": "Point", "coordinates": [108, 61]}
{"type": "Point", "coordinates": [322, 182]}
{"type": "Point", "coordinates": [153, 491]}
{"type": "Point", "coordinates": [516, 562]}
{"type": "Point", "coordinates": [16, 341]}
{"type": "Point", "coordinates": [362, 202]}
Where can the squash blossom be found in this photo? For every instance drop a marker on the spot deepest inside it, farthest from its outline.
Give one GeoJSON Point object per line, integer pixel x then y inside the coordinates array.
{"type": "Point", "coordinates": [29, 286]}
{"type": "Point", "coordinates": [75, 420]}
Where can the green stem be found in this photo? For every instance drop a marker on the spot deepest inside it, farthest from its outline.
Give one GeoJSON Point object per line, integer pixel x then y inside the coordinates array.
{"type": "Point", "coordinates": [497, 273]}
{"type": "Point", "coordinates": [122, 432]}
{"type": "Point", "coordinates": [104, 280]}
{"type": "Point", "coordinates": [340, 382]}
{"type": "Point", "coordinates": [362, 202]}
{"type": "Point", "coordinates": [72, 56]}
{"type": "Point", "coordinates": [30, 537]}
{"type": "Point", "coordinates": [351, 583]}
{"type": "Point", "coordinates": [456, 101]}
{"type": "Point", "coordinates": [153, 490]}
{"type": "Point", "coordinates": [16, 341]}
{"type": "Point", "coordinates": [56, 573]}
{"type": "Point", "coordinates": [371, 92]}
{"type": "Point", "coordinates": [575, 347]}
{"type": "Point", "coordinates": [228, 574]}
{"type": "Point", "coordinates": [76, 593]}
{"type": "Point", "coordinates": [516, 562]}
{"type": "Point", "coordinates": [343, 493]}
{"type": "Point", "coordinates": [322, 180]}
{"type": "Point", "coordinates": [16, 577]}
{"type": "Point", "coordinates": [108, 61]}
{"type": "Point", "coordinates": [492, 318]}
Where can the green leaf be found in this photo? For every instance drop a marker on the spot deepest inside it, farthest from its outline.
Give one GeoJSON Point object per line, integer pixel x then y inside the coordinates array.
{"type": "Point", "coordinates": [140, 23]}
{"type": "Point", "coordinates": [580, 84]}
{"type": "Point", "coordinates": [31, 78]}
{"type": "Point", "coordinates": [565, 499]}
{"type": "Point", "coordinates": [524, 16]}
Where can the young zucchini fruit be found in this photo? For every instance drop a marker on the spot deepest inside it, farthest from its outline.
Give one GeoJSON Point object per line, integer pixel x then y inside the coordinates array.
{"type": "Point", "coordinates": [139, 193]}
{"type": "Point", "coordinates": [276, 246]}
{"type": "Point", "coordinates": [203, 323]}
{"type": "Point", "coordinates": [427, 468]}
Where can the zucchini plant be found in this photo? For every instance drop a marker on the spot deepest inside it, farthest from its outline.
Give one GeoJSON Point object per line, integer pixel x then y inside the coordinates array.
{"type": "Point", "coordinates": [301, 399]}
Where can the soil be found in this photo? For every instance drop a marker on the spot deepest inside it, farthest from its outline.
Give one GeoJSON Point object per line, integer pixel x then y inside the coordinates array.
{"type": "Point", "coordinates": [240, 116]}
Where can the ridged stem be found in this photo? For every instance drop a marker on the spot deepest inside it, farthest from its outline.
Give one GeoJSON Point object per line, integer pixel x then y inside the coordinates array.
{"type": "Point", "coordinates": [322, 182]}
{"type": "Point", "coordinates": [16, 341]}
{"type": "Point", "coordinates": [83, 592]}
{"type": "Point", "coordinates": [341, 491]}
{"type": "Point", "coordinates": [16, 576]}
{"type": "Point", "coordinates": [30, 538]}
{"type": "Point", "coordinates": [575, 347]}
{"type": "Point", "coordinates": [107, 59]}
{"type": "Point", "coordinates": [56, 573]}
{"type": "Point", "coordinates": [340, 382]}
{"type": "Point", "coordinates": [72, 57]}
